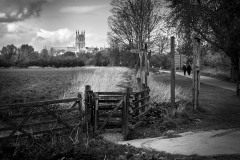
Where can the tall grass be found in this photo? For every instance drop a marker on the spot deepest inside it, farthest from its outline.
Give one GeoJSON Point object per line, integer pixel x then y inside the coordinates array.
{"type": "Point", "coordinates": [103, 79]}
{"type": "Point", "coordinates": [160, 91]}
{"type": "Point", "coordinates": [216, 72]}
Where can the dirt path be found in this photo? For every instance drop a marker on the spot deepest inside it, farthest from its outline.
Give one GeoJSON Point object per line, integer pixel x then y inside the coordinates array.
{"type": "Point", "coordinates": [203, 143]}
{"type": "Point", "coordinates": [221, 106]}
{"type": "Point", "coordinates": [218, 131]}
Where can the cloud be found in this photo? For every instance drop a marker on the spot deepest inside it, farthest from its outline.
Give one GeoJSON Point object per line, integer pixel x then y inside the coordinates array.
{"type": "Point", "coordinates": [60, 35]}
{"type": "Point", "coordinates": [15, 28]}
{"type": "Point", "coordinates": [16, 33]}
{"type": "Point", "coordinates": [58, 38]}
{"type": "Point", "coordinates": [81, 9]}
{"type": "Point", "coordinates": [18, 10]}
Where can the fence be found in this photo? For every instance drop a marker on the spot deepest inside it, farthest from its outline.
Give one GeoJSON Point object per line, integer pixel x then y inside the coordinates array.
{"type": "Point", "coordinates": [35, 118]}
{"type": "Point", "coordinates": [116, 111]}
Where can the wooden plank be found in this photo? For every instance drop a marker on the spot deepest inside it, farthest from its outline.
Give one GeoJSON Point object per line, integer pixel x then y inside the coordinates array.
{"type": "Point", "coordinates": [126, 109]}
{"type": "Point", "coordinates": [116, 115]}
{"type": "Point", "coordinates": [108, 107]}
{"type": "Point", "coordinates": [114, 130]}
{"type": "Point", "coordinates": [110, 96]}
{"type": "Point", "coordinates": [109, 123]}
{"type": "Point", "coordinates": [36, 104]}
{"type": "Point", "coordinates": [95, 126]}
{"type": "Point", "coordinates": [40, 132]}
{"type": "Point", "coordinates": [138, 93]}
{"type": "Point", "coordinates": [37, 124]}
{"type": "Point", "coordinates": [14, 125]}
{"type": "Point", "coordinates": [109, 100]}
{"type": "Point", "coordinates": [74, 104]}
{"type": "Point", "coordinates": [172, 72]}
{"type": "Point", "coordinates": [110, 115]}
{"type": "Point", "coordinates": [42, 113]}
{"type": "Point", "coordinates": [110, 93]}
{"type": "Point", "coordinates": [57, 117]}
{"type": "Point", "coordinates": [20, 125]}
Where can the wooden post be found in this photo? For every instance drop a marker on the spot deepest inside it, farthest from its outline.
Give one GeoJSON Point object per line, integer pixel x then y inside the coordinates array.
{"type": "Point", "coordinates": [80, 109]}
{"type": "Point", "coordinates": [172, 73]}
{"type": "Point", "coordinates": [126, 112]}
{"type": "Point", "coordinates": [196, 73]}
{"type": "Point", "coordinates": [146, 65]}
{"type": "Point", "coordinates": [80, 105]}
{"type": "Point", "coordinates": [87, 109]}
{"type": "Point", "coordinates": [95, 125]}
{"type": "Point", "coordinates": [141, 68]}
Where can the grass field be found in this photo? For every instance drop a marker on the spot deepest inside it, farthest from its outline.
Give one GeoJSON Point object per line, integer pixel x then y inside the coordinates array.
{"type": "Point", "coordinates": [160, 87]}
{"type": "Point", "coordinates": [27, 85]}
{"type": "Point", "coordinates": [22, 85]}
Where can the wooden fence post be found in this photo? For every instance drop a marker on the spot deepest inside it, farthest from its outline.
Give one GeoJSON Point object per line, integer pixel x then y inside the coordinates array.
{"type": "Point", "coordinates": [87, 109]}
{"type": "Point", "coordinates": [196, 73]}
{"type": "Point", "coordinates": [80, 109]}
{"type": "Point", "coordinates": [172, 73]}
{"type": "Point", "coordinates": [95, 125]}
{"type": "Point", "coordinates": [126, 112]}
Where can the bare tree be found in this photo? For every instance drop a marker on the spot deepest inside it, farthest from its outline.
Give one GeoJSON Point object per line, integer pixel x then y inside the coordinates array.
{"type": "Point", "coordinates": [133, 21]}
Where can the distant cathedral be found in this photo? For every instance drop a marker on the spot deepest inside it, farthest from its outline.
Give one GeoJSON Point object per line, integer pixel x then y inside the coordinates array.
{"type": "Point", "coordinates": [80, 40]}
{"type": "Point", "coordinates": [79, 45]}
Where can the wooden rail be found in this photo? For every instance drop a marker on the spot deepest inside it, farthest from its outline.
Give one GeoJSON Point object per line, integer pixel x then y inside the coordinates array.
{"type": "Point", "coordinates": [34, 118]}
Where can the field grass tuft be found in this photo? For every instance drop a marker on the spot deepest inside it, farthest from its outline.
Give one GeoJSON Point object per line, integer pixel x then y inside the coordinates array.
{"type": "Point", "coordinates": [160, 89]}
{"type": "Point", "coordinates": [103, 79]}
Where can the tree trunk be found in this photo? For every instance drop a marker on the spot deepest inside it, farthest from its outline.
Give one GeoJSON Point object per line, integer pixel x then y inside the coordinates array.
{"type": "Point", "coordinates": [234, 65]}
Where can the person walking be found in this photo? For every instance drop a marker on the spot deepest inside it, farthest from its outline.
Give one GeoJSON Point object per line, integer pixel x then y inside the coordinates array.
{"type": "Point", "coordinates": [189, 68]}
{"type": "Point", "coordinates": [184, 69]}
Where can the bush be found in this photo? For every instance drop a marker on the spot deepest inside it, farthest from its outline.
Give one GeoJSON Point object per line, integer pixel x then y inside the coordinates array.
{"type": "Point", "coordinates": [4, 63]}
{"type": "Point", "coordinates": [160, 60]}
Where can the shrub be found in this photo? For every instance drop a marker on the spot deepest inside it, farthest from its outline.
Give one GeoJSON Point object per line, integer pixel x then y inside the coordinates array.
{"type": "Point", "coordinates": [160, 60]}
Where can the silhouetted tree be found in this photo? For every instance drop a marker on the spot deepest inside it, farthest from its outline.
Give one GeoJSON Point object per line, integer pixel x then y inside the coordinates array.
{"type": "Point", "coordinates": [216, 21]}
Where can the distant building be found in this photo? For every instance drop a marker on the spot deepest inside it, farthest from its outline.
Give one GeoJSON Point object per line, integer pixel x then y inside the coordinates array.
{"type": "Point", "coordinates": [80, 41]}
{"type": "Point", "coordinates": [79, 46]}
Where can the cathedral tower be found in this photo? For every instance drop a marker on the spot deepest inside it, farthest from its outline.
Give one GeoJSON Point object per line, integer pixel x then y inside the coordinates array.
{"type": "Point", "coordinates": [80, 40]}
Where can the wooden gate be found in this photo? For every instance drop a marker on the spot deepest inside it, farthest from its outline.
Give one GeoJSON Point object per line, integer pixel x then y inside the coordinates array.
{"type": "Point", "coordinates": [116, 111]}
{"type": "Point", "coordinates": [37, 118]}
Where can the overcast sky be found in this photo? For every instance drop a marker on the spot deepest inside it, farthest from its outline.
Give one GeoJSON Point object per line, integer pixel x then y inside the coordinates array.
{"type": "Point", "coordinates": [49, 23]}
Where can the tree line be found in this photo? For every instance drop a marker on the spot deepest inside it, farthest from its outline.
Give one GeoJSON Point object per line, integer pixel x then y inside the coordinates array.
{"type": "Point", "coordinates": [25, 56]}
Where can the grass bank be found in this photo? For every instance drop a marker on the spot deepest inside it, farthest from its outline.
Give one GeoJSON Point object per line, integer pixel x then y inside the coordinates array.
{"type": "Point", "coordinates": [218, 73]}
